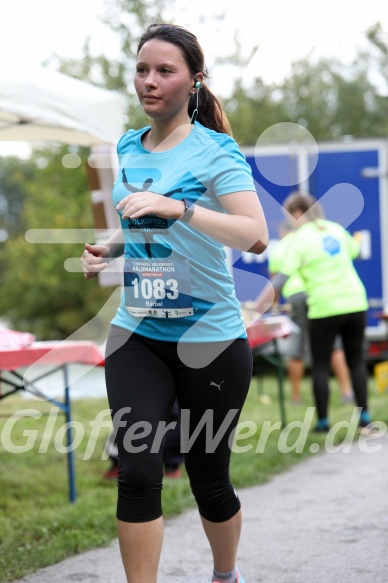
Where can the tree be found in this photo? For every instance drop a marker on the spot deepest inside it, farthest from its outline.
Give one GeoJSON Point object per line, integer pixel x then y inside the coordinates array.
{"type": "Point", "coordinates": [328, 98]}
{"type": "Point", "coordinates": [37, 293]}
{"type": "Point", "coordinates": [379, 41]}
{"type": "Point", "coordinates": [252, 110]}
{"type": "Point", "coordinates": [128, 19]}
{"type": "Point", "coordinates": [379, 53]}
{"type": "Point", "coordinates": [15, 175]}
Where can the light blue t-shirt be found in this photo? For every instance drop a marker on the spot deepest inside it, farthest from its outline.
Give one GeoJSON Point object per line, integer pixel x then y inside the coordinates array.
{"type": "Point", "coordinates": [204, 166]}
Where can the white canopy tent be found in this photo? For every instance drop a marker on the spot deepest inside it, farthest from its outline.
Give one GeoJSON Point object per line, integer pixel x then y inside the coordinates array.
{"type": "Point", "coordinates": [38, 104]}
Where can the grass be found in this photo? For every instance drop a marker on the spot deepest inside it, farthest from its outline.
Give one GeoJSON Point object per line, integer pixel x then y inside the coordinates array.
{"type": "Point", "coordinates": [39, 526]}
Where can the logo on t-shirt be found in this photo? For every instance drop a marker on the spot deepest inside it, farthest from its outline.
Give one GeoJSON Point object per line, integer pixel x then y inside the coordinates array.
{"type": "Point", "coordinates": [150, 223]}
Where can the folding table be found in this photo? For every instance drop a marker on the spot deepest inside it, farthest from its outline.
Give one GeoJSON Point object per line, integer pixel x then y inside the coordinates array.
{"type": "Point", "coordinates": [55, 356]}
{"type": "Point", "coordinates": [266, 331]}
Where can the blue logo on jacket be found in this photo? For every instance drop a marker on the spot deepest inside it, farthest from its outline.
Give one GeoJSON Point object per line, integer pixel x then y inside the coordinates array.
{"type": "Point", "coordinates": [331, 245]}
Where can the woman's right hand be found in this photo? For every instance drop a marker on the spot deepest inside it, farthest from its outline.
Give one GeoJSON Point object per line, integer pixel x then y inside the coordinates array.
{"type": "Point", "coordinates": [92, 260]}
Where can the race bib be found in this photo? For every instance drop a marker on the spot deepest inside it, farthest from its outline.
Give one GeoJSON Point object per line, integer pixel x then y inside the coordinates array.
{"type": "Point", "coordinates": [158, 288]}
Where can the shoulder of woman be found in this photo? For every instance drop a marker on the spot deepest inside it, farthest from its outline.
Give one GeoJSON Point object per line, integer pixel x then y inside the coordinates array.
{"type": "Point", "coordinates": [128, 137]}
{"type": "Point", "coordinates": [220, 148]}
{"type": "Point", "coordinates": [223, 140]}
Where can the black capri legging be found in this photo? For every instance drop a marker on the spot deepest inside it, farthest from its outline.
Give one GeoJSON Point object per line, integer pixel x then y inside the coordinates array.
{"type": "Point", "coordinates": [323, 331]}
{"type": "Point", "coordinates": [143, 378]}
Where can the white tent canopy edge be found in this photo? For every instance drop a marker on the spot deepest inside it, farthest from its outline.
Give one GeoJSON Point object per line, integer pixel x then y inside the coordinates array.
{"type": "Point", "coordinates": [37, 103]}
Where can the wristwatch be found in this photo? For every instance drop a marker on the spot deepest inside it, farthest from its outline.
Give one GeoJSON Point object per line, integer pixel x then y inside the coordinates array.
{"type": "Point", "coordinates": [189, 210]}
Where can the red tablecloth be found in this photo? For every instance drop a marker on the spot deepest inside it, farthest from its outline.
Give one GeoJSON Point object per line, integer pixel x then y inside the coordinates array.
{"type": "Point", "coordinates": [267, 329]}
{"type": "Point", "coordinates": [50, 353]}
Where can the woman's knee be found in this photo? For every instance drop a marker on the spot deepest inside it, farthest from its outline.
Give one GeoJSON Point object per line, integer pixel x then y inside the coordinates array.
{"type": "Point", "coordinates": [215, 496]}
{"type": "Point", "coordinates": [217, 501]}
{"type": "Point", "coordinates": [139, 492]}
{"type": "Point", "coordinates": [139, 476]}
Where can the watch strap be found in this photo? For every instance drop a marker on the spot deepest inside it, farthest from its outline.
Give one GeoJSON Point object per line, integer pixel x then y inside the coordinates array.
{"type": "Point", "coordinates": [189, 210]}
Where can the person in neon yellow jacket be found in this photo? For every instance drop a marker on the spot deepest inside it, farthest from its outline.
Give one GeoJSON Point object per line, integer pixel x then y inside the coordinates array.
{"type": "Point", "coordinates": [322, 253]}
{"type": "Point", "coordinates": [296, 346]}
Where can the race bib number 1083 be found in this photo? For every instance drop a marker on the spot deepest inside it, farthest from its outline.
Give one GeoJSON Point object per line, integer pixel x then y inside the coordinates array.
{"type": "Point", "coordinates": [158, 288]}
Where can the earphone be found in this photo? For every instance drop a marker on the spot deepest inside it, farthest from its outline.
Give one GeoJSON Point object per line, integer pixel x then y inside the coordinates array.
{"type": "Point", "coordinates": [197, 86]}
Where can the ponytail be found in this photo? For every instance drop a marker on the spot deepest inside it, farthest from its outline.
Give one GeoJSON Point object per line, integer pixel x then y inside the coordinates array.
{"type": "Point", "coordinates": [210, 112]}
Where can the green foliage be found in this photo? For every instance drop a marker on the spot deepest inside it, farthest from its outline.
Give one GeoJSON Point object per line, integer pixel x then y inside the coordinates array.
{"type": "Point", "coordinates": [128, 19]}
{"type": "Point", "coordinates": [327, 97]}
{"type": "Point", "coordinates": [15, 175]}
{"type": "Point", "coordinates": [332, 101]}
{"type": "Point", "coordinates": [36, 292]}
{"type": "Point", "coordinates": [253, 110]}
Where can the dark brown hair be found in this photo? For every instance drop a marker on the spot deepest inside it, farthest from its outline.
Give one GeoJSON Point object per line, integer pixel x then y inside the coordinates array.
{"type": "Point", "coordinates": [210, 112]}
{"type": "Point", "coordinates": [306, 203]}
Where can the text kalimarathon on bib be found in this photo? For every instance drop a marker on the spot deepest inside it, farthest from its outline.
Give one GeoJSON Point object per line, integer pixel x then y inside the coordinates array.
{"type": "Point", "coordinates": [159, 288]}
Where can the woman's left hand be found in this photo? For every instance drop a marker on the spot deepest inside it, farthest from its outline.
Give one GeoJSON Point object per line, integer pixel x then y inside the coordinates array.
{"type": "Point", "coordinates": [143, 203]}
